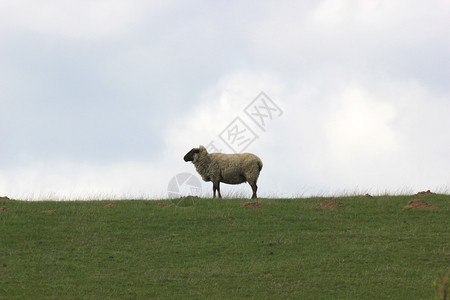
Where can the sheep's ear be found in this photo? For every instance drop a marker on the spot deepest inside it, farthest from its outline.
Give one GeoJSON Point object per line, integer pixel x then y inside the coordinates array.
{"type": "Point", "coordinates": [202, 149]}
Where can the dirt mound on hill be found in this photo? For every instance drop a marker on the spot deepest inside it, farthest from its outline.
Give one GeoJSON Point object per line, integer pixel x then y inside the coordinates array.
{"type": "Point", "coordinates": [189, 197]}
{"type": "Point", "coordinates": [420, 204]}
{"type": "Point", "coordinates": [425, 193]}
{"type": "Point", "coordinates": [329, 204]}
{"type": "Point", "coordinates": [3, 208]}
{"type": "Point", "coordinates": [111, 205]}
{"type": "Point", "coordinates": [48, 212]}
{"type": "Point", "coordinates": [367, 196]}
{"type": "Point", "coordinates": [164, 204]}
{"type": "Point", "coordinates": [252, 204]}
{"type": "Point", "coordinates": [4, 198]}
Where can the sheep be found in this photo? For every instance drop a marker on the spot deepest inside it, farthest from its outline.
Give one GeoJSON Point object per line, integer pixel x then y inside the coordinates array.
{"type": "Point", "coordinates": [226, 168]}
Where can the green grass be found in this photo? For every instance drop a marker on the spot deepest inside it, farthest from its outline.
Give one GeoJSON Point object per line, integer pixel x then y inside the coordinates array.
{"type": "Point", "coordinates": [205, 248]}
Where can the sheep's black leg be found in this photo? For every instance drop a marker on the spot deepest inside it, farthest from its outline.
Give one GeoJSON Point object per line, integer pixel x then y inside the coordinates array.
{"type": "Point", "coordinates": [254, 188]}
{"type": "Point", "coordinates": [216, 187]}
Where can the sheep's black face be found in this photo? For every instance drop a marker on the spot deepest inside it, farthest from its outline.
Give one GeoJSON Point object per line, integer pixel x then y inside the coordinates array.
{"type": "Point", "coordinates": [190, 155]}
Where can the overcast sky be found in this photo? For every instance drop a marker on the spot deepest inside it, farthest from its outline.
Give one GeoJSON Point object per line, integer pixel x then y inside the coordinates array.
{"type": "Point", "coordinates": [104, 98]}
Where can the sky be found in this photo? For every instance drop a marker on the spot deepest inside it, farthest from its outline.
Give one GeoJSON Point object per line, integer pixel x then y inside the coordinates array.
{"type": "Point", "coordinates": [102, 99]}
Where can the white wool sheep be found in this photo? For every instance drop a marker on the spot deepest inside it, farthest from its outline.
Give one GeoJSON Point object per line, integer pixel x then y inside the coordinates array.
{"type": "Point", "coordinates": [226, 168]}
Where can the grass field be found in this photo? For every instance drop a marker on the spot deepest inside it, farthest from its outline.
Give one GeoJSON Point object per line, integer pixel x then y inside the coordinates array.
{"type": "Point", "coordinates": [367, 248]}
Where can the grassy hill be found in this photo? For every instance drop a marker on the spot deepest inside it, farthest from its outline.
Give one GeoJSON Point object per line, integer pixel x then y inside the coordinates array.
{"type": "Point", "coordinates": [347, 248]}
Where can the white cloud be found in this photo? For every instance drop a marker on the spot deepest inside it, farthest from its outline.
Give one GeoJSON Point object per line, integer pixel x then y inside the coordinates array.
{"type": "Point", "coordinates": [359, 126]}
{"type": "Point", "coordinates": [379, 139]}
{"type": "Point", "coordinates": [61, 180]}
{"type": "Point", "coordinates": [218, 106]}
{"type": "Point", "coordinates": [375, 38]}
{"type": "Point", "coordinates": [359, 136]}
{"type": "Point", "coordinates": [77, 19]}
{"type": "Point", "coordinates": [351, 139]}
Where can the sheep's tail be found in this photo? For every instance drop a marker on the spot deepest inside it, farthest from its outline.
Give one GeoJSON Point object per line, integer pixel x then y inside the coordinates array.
{"type": "Point", "coordinates": [260, 164]}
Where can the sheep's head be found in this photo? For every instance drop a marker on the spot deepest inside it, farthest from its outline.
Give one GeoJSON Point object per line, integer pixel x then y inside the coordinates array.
{"type": "Point", "coordinates": [190, 156]}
